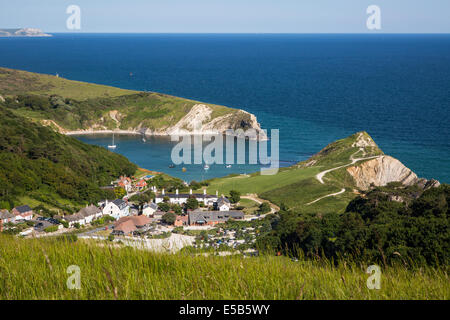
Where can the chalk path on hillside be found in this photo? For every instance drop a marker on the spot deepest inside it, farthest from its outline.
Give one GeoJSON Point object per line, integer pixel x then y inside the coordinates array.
{"type": "Point", "coordinates": [321, 174]}
{"type": "Point", "coordinates": [273, 208]}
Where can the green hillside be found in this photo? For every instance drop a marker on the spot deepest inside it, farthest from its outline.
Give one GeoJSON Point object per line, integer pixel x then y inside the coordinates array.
{"type": "Point", "coordinates": [297, 186]}
{"type": "Point", "coordinates": [42, 166]}
{"type": "Point", "coordinates": [68, 105]}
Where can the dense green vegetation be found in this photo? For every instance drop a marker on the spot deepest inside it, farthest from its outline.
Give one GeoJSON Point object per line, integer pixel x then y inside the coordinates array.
{"type": "Point", "coordinates": [51, 168]}
{"type": "Point", "coordinates": [72, 105]}
{"type": "Point", "coordinates": [384, 225]}
{"type": "Point", "coordinates": [126, 273]}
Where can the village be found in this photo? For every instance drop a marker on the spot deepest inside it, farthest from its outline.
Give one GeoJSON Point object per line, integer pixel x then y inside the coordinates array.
{"type": "Point", "coordinates": [147, 218]}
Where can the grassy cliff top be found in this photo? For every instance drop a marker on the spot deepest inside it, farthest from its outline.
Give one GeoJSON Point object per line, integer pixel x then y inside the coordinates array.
{"type": "Point", "coordinates": [15, 82]}
{"type": "Point", "coordinates": [298, 185]}
{"type": "Point", "coordinates": [74, 105]}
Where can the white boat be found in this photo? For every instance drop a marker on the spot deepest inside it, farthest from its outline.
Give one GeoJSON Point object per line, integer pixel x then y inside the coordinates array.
{"type": "Point", "coordinates": [113, 146]}
{"type": "Point", "coordinates": [229, 166]}
{"type": "Point", "coordinates": [206, 167]}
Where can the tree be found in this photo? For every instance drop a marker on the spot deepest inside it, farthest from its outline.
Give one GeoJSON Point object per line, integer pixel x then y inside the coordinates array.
{"type": "Point", "coordinates": [169, 218]}
{"type": "Point", "coordinates": [235, 196]}
{"type": "Point", "coordinates": [192, 203]}
{"type": "Point", "coordinates": [120, 192]}
{"type": "Point", "coordinates": [264, 208]}
{"type": "Point", "coordinates": [176, 208]}
{"type": "Point", "coordinates": [164, 206]}
{"type": "Point", "coordinates": [195, 185]}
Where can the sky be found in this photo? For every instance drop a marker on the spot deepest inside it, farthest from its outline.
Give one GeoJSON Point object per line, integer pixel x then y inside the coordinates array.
{"type": "Point", "coordinates": [229, 16]}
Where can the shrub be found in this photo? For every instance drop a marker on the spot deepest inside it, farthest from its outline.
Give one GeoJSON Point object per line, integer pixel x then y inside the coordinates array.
{"type": "Point", "coordinates": [51, 229]}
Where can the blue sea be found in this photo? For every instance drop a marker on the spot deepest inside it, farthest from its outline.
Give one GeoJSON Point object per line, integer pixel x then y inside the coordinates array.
{"type": "Point", "coordinates": [314, 88]}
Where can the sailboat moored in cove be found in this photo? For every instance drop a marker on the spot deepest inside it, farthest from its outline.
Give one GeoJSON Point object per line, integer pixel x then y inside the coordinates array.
{"type": "Point", "coordinates": [112, 146]}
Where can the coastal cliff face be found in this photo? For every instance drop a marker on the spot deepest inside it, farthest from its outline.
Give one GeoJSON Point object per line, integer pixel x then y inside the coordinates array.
{"type": "Point", "coordinates": [73, 107]}
{"type": "Point", "coordinates": [381, 171]}
{"type": "Point", "coordinates": [199, 121]}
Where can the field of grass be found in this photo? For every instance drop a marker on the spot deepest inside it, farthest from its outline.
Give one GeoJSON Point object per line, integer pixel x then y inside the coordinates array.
{"type": "Point", "coordinates": [92, 103]}
{"type": "Point", "coordinates": [297, 186]}
{"type": "Point", "coordinates": [13, 82]}
{"type": "Point", "coordinates": [256, 183]}
{"type": "Point", "coordinates": [37, 269]}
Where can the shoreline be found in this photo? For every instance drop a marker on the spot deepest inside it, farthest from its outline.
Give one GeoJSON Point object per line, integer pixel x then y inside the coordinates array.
{"type": "Point", "coordinates": [153, 134]}
{"type": "Point", "coordinates": [84, 132]}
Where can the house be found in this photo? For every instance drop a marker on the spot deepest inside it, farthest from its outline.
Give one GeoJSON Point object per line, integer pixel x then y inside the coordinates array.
{"type": "Point", "coordinates": [222, 204]}
{"type": "Point", "coordinates": [181, 198]}
{"type": "Point", "coordinates": [74, 219]}
{"type": "Point", "coordinates": [6, 216]}
{"type": "Point", "coordinates": [90, 213]}
{"type": "Point", "coordinates": [211, 218]}
{"type": "Point", "coordinates": [84, 216]}
{"type": "Point", "coordinates": [149, 209]}
{"type": "Point", "coordinates": [22, 213]}
{"type": "Point", "coordinates": [181, 221]}
{"type": "Point", "coordinates": [141, 185]}
{"type": "Point", "coordinates": [128, 225]}
{"type": "Point", "coordinates": [116, 209]}
{"type": "Point", "coordinates": [126, 183]}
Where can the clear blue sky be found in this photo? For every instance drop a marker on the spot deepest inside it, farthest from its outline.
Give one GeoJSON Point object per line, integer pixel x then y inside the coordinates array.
{"type": "Point", "coordinates": [222, 16]}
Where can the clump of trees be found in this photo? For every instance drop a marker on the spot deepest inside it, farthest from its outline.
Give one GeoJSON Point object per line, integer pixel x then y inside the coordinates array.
{"type": "Point", "coordinates": [386, 225]}
{"type": "Point", "coordinates": [169, 218]}
{"type": "Point", "coordinates": [38, 162]}
{"type": "Point", "coordinates": [235, 196]}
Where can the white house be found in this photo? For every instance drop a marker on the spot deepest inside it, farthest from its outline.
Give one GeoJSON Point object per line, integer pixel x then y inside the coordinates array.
{"type": "Point", "coordinates": [222, 204]}
{"type": "Point", "coordinates": [84, 216]}
{"type": "Point", "coordinates": [116, 209]}
{"type": "Point", "coordinates": [181, 198]}
{"type": "Point", "coordinates": [22, 213]}
{"type": "Point", "coordinates": [149, 209]}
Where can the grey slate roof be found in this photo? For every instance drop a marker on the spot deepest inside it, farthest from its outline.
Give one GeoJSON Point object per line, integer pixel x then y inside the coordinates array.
{"type": "Point", "coordinates": [74, 217]}
{"type": "Point", "coordinates": [23, 209]}
{"type": "Point", "coordinates": [186, 195]}
{"type": "Point", "coordinates": [222, 200]}
{"type": "Point", "coordinates": [89, 211]}
{"type": "Point", "coordinates": [120, 203]}
{"type": "Point", "coordinates": [152, 205]}
{"type": "Point", "coordinates": [199, 216]}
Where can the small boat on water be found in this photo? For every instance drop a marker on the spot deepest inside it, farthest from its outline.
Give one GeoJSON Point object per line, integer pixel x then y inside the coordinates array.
{"type": "Point", "coordinates": [171, 166]}
{"type": "Point", "coordinates": [112, 146]}
{"type": "Point", "coordinates": [229, 166]}
{"type": "Point", "coordinates": [206, 167]}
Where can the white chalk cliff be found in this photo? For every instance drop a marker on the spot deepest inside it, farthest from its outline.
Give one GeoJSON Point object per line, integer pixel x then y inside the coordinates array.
{"type": "Point", "coordinates": [381, 171]}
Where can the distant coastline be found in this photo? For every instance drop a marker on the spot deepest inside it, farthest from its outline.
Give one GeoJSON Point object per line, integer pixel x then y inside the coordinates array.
{"type": "Point", "coordinates": [23, 32]}
{"type": "Point", "coordinates": [89, 132]}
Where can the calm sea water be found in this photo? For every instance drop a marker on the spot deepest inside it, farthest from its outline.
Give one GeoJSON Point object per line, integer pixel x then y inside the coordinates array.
{"type": "Point", "coordinates": [314, 88]}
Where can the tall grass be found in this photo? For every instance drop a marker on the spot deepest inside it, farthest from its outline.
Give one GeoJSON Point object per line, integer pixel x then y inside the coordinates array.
{"type": "Point", "coordinates": [36, 269]}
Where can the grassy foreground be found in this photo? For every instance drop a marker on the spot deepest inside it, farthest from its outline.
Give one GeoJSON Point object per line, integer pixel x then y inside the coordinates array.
{"type": "Point", "coordinates": [36, 269]}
